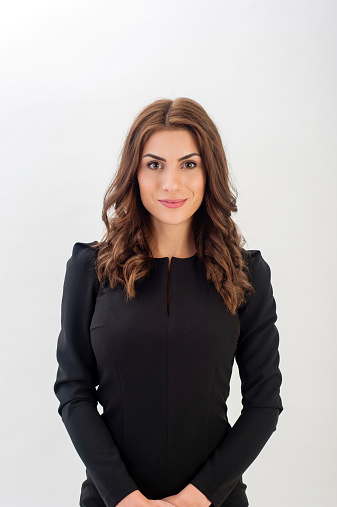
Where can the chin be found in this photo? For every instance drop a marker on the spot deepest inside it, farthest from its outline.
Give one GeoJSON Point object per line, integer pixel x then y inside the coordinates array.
{"type": "Point", "coordinates": [173, 220]}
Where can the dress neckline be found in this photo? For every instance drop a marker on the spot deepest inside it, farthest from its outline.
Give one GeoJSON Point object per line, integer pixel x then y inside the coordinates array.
{"type": "Point", "coordinates": [176, 258]}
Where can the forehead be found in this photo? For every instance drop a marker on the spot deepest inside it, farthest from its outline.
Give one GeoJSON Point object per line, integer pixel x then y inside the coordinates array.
{"type": "Point", "coordinates": [170, 141]}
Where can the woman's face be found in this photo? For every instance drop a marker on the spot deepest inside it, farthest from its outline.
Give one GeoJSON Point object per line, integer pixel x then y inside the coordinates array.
{"type": "Point", "coordinates": [171, 169]}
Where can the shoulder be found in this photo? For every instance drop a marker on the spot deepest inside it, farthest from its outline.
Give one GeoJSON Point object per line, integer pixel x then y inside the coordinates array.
{"type": "Point", "coordinates": [259, 269]}
{"type": "Point", "coordinates": [259, 306]}
{"type": "Point", "coordinates": [83, 258]}
{"type": "Point", "coordinates": [84, 252]}
{"type": "Point", "coordinates": [259, 275]}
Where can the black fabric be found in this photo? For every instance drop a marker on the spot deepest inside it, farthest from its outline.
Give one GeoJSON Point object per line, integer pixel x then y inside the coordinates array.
{"type": "Point", "coordinates": [163, 380]}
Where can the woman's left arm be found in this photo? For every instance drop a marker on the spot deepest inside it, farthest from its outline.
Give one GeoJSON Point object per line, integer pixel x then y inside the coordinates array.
{"type": "Point", "coordinates": [257, 357]}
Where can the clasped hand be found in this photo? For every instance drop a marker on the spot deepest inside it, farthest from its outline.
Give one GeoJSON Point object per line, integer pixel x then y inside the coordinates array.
{"type": "Point", "coordinates": [173, 501]}
{"type": "Point", "coordinates": [188, 497]}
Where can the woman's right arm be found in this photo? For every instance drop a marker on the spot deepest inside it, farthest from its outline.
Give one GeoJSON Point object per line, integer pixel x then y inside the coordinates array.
{"type": "Point", "coordinates": [76, 381]}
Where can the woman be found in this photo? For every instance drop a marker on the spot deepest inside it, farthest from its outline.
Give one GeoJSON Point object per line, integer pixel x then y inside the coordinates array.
{"type": "Point", "coordinates": [154, 315]}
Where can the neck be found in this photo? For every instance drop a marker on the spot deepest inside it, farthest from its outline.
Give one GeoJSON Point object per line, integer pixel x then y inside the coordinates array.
{"type": "Point", "coordinates": [172, 240]}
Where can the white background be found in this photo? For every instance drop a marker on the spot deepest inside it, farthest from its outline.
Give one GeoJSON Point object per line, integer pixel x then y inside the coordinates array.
{"type": "Point", "coordinates": [74, 75]}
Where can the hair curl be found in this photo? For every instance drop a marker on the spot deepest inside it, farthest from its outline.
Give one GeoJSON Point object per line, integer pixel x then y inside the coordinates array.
{"type": "Point", "coordinates": [124, 256]}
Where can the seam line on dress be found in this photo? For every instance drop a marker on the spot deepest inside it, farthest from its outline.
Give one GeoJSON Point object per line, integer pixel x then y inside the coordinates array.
{"type": "Point", "coordinates": [210, 410]}
{"type": "Point", "coordinates": [167, 399]}
{"type": "Point", "coordinates": [121, 388]}
{"type": "Point", "coordinates": [168, 320]}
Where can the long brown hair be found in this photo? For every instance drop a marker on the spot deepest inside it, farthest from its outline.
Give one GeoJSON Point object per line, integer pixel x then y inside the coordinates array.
{"type": "Point", "coordinates": [124, 256]}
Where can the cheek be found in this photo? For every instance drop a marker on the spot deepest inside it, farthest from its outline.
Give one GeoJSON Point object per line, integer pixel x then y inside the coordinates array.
{"type": "Point", "coordinates": [146, 185]}
{"type": "Point", "coordinates": [198, 186]}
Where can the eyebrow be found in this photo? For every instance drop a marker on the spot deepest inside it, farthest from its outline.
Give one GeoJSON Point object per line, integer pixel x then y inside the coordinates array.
{"type": "Point", "coordinates": [163, 159]}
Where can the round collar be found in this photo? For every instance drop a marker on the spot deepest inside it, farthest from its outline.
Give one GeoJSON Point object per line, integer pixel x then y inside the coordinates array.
{"type": "Point", "coordinates": [176, 258]}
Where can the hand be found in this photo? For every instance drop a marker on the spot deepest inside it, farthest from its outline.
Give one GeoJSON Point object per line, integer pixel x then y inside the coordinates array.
{"type": "Point", "coordinates": [161, 503]}
{"type": "Point", "coordinates": [137, 499]}
{"type": "Point", "coordinates": [190, 496]}
{"type": "Point", "coordinates": [175, 500]}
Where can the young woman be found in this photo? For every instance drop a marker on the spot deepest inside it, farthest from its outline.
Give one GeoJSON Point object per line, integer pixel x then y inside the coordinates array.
{"type": "Point", "coordinates": [154, 315]}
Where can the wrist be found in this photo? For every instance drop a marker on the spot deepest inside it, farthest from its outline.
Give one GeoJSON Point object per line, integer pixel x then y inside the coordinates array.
{"type": "Point", "coordinates": [191, 496]}
{"type": "Point", "coordinates": [132, 499]}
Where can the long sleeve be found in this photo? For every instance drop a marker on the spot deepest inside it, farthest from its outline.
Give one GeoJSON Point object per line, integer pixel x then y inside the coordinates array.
{"type": "Point", "coordinates": [257, 358]}
{"type": "Point", "coordinates": [77, 379]}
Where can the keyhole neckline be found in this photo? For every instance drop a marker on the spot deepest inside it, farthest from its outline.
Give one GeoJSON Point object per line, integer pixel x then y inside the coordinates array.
{"type": "Point", "coordinates": [176, 258]}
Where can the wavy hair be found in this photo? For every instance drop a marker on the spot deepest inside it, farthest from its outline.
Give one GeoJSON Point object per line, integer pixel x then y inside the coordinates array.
{"type": "Point", "coordinates": [124, 255]}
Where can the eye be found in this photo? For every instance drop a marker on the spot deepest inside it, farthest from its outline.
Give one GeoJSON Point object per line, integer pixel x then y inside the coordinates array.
{"type": "Point", "coordinates": [149, 165]}
{"type": "Point", "coordinates": [191, 162]}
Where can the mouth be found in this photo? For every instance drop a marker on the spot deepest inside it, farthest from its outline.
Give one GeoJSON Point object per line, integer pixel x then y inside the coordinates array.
{"type": "Point", "coordinates": [172, 203]}
{"type": "Point", "coordinates": [173, 200]}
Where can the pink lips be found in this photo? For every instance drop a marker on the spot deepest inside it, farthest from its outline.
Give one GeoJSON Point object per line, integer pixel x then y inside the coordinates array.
{"type": "Point", "coordinates": [176, 203]}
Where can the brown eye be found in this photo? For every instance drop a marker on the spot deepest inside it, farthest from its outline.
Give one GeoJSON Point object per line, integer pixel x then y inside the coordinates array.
{"type": "Point", "coordinates": [150, 163]}
{"type": "Point", "coordinates": [191, 162]}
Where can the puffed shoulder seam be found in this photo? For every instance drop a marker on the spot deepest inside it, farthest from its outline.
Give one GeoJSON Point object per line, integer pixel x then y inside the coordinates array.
{"type": "Point", "coordinates": [259, 274]}
{"type": "Point", "coordinates": [252, 254]}
{"type": "Point", "coordinates": [83, 251]}
{"type": "Point", "coordinates": [84, 258]}
{"type": "Point", "coordinates": [257, 265]}
{"type": "Point", "coordinates": [85, 247]}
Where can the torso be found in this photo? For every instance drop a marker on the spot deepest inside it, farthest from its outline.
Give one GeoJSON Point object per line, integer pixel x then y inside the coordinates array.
{"type": "Point", "coordinates": [164, 360]}
{"type": "Point", "coordinates": [168, 290]}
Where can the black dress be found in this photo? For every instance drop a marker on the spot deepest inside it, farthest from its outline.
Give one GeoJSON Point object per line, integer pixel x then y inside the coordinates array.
{"type": "Point", "coordinates": [163, 380]}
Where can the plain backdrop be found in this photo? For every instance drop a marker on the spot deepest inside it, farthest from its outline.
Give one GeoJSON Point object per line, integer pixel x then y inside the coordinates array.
{"type": "Point", "coordinates": [74, 75]}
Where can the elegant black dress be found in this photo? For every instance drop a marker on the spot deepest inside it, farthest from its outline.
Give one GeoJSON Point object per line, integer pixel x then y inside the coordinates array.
{"type": "Point", "coordinates": [163, 380]}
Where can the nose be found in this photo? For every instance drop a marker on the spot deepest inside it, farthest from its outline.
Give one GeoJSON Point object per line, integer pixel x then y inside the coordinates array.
{"type": "Point", "coordinates": [171, 179]}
